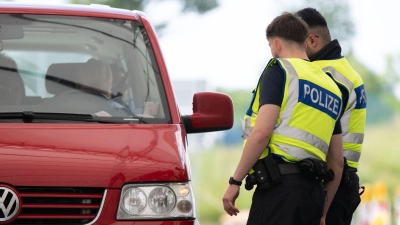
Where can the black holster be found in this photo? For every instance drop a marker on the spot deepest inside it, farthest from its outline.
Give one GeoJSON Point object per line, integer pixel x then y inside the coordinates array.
{"type": "Point", "coordinates": [345, 181]}
{"type": "Point", "coordinates": [316, 169]}
{"type": "Point", "coordinates": [266, 174]}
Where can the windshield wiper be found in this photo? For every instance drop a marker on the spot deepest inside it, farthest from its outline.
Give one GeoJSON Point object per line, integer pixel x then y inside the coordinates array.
{"type": "Point", "coordinates": [30, 116]}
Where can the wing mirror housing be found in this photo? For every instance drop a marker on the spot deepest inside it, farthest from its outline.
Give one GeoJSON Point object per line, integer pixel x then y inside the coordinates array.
{"type": "Point", "coordinates": [212, 111]}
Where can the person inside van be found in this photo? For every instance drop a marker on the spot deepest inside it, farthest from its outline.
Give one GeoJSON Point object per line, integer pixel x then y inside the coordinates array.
{"type": "Point", "coordinates": [95, 75]}
{"type": "Point", "coordinates": [12, 90]}
{"type": "Point", "coordinates": [118, 73]}
{"type": "Point", "coordinates": [92, 94]}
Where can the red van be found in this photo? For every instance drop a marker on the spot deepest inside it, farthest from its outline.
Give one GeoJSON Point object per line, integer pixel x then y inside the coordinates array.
{"type": "Point", "coordinates": [90, 129]}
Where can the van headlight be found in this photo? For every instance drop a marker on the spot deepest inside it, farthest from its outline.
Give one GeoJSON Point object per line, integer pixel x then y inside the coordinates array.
{"type": "Point", "coordinates": [156, 201]}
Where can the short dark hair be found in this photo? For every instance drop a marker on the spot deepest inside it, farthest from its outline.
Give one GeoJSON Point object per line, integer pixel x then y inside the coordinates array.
{"type": "Point", "coordinates": [289, 27]}
{"type": "Point", "coordinates": [312, 17]}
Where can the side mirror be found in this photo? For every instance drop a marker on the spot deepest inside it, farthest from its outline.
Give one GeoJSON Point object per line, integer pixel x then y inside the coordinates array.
{"type": "Point", "coordinates": [212, 111]}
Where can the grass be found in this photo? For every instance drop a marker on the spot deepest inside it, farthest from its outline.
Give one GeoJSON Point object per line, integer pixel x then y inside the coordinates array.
{"type": "Point", "coordinates": [211, 169]}
{"type": "Point", "coordinates": [380, 159]}
{"type": "Point", "coordinates": [214, 167]}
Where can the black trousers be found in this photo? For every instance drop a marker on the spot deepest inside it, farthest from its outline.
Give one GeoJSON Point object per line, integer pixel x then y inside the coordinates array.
{"type": "Point", "coordinates": [297, 201]}
{"type": "Point", "coordinates": [344, 203]}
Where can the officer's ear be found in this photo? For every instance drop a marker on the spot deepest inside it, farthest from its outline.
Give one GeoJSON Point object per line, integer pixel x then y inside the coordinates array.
{"type": "Point", "coordinates": [312, 40]}
{"type": "Point", "coordinates": [277, 44]}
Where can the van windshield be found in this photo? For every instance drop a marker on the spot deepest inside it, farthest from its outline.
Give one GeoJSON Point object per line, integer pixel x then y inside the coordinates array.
{"type": "Point", "coordinates": [68, 65]}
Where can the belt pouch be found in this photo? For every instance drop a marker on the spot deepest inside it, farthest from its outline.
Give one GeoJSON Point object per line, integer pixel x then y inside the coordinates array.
{"type": "Point", "coordinates": [260, 172]}
{"type": "Point", "coordinates": [272, 169]}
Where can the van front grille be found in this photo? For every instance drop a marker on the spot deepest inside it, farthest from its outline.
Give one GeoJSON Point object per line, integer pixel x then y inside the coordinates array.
{"type": "Point", "coordinates": [64, 206]}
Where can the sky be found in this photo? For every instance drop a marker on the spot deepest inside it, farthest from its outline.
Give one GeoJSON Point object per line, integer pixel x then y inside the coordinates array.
{"type": "Point", "coordinates": [227, 46]}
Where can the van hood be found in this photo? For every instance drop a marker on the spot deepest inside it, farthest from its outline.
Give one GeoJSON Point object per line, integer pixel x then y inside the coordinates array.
{"type": "Point", "coordinates": [91, 155]}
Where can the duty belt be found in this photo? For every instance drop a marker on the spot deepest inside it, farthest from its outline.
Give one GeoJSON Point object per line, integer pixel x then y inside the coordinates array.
{"type": "Point", "coordinates": [351, 169]}
{"type": "Point", "coordinates": [289, 168]}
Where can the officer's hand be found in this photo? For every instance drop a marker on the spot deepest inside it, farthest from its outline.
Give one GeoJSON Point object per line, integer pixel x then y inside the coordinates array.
{"type": "Point", "coordinates": [229, 199]}
{"type": "Point", "coordinates": [322, 222]}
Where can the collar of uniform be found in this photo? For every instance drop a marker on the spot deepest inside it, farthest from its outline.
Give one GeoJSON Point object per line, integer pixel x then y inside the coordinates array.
{"type": "Point", "coordinates": [330, 51]}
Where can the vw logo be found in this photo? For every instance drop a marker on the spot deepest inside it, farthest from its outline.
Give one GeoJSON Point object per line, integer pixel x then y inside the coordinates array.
{"type": "Point", "coordinates": [9, 204]}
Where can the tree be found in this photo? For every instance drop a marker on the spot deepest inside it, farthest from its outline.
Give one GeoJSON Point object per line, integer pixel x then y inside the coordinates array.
{"type": "Point", "coordinates": [374, 84]}
{"type": "Point", "coordinates": [392, 80]}
{"type": "Point", "coordinates": [336, 13]}
{"type": "Point", "coordinates": [197, 6]}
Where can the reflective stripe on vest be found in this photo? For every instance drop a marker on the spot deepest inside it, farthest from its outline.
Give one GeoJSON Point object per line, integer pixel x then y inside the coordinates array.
{"type": "Point", "coordinates": [352, 155]}
{"type": "Point", "coordinates": [352, 129]}
{"type": "Point", "coordinates": [321, 99]}
{"type": "Point", "coordinates": [292, 132]}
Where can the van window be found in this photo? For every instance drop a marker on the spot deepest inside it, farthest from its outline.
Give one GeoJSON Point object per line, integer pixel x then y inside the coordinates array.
{"type": "Point", "coordinates": [61, 65]}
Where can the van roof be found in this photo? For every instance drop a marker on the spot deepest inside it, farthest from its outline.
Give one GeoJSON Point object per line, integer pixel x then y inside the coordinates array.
{"type": "Point", "coordinates": [93, 10]}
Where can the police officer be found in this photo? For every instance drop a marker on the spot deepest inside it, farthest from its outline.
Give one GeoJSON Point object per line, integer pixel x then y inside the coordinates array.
{"type": "Point", "coordinates": [293, 116]}
{"type": "Point", "coordinates": [327, 54]}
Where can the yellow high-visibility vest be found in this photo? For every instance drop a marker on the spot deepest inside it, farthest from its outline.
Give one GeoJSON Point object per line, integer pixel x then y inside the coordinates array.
{"type": "Point", "coordinates": [355, 114]}
{"type": "Point", "coordinates": [310, 108]}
